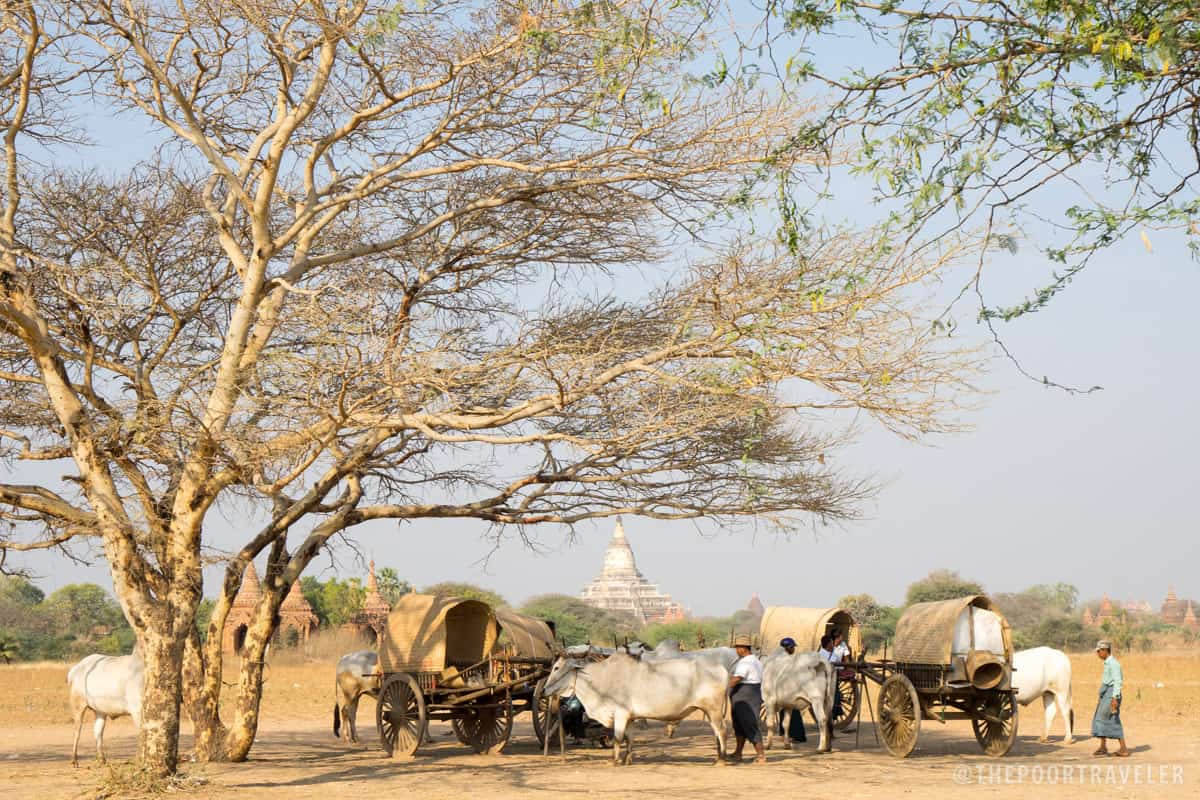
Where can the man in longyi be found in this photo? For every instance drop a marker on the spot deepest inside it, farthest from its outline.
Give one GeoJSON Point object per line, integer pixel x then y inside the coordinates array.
{"type": "Point", "coordinates": [1106, 724]}
{"type": "Point", "coordinates": [745, 694]}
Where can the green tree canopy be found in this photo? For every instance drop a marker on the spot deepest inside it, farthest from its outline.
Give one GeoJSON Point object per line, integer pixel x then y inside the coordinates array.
{"type": "Point", "coordinates": [715, 631]}
{"type": "Point", "coordinates": [74, 621]}
{"type": "Point", "coordinates": [335, 602]}
{"type": "Point", "coordinates": [877, 622]}
{"type": "Point", "coordinates": [78, 608]}
{"type": "Point", "coordinates": [390, 585]}
{"type": "Point", "coordinates": [863, 607]}
{"type": "Point", "coordinates": [941, 584]}
{"type": "Point", "coordinates": [468, 590]}
{"type": "Point", "coordinates": [19, 591]}
{"type": "Point", "coordinates": [577, 622]}
{"type": "Point", "coordinates": [10, 647]}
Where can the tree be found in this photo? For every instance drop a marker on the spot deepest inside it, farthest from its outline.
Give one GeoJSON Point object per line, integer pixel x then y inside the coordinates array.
{"type": "Point", "coordinates": [877, 622]}
{"type": "Point", "coordinates": [10, 647]}
{"type": "Point", "coordinates": [692, 633]}
{"type": "Point", "coordinates": [19, 591]}
{"type": "Point", "coordinates": [391, 588]}
{"type": "Point", "coordinates": [579, 622]}
{"type": "Point", "coordinates": [1027, 610]}
{"type": "Point", "coordinates": [204, 613]}
{"type": "Point", "coordinates": [1062, 632]}
{"type": "Point", "coordinates": [863, 607]}
{"type": "Point", "coordinates": [467, 590]}
{"type": "Point", "coordinates": [941, 584]}
{"type": "Point", "coordinates": [335, 602]}
{"type": "Point", "coordinates": [987, 104]}
{"type": "Point", "coordinates": [358, 283]}
{"type": "Point", "coordinates": [77, 608]}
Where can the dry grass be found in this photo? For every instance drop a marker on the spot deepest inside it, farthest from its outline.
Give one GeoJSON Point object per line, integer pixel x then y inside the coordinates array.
{"type": "Point", "coordinates": [300, 686]}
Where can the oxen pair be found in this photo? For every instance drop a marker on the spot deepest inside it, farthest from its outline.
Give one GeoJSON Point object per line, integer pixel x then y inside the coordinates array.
{"type": "Point", "coordinates": [668, 686]}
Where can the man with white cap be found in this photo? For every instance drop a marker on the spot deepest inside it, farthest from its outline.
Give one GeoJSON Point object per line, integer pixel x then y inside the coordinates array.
{"type": "Point", "coordinates": [1106, 723]}
{"type": "Point", "coordinates": [745, 695]}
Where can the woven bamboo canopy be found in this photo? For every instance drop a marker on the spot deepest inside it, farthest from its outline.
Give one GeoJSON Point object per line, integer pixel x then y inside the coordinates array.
{"type": "Point", "coordinates": [925, 632]}
{"type": "Point", "coordinates": [528, 637]}
{"type": "Point", "coordinates": [807, 626]}
{"type": "Point", "coordinates": [428, 633]}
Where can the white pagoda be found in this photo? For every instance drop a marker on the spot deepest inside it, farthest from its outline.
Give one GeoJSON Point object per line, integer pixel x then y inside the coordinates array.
{"type": "Point", "coordinates": [621, 587]}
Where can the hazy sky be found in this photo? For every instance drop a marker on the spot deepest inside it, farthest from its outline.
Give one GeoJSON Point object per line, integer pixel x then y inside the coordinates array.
{"type": "Point", "coordinates": [1095, 490]}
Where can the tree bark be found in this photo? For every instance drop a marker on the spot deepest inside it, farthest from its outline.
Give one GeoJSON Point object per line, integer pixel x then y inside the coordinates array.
{"type": "Point", "coordinates": [249, 699]}
{"type": "Point", "coordinates": [158, 742]}
{"type": "Point", "coordinates": [202, 698]}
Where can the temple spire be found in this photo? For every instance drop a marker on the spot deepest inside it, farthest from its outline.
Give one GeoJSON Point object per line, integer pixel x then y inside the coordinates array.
{"type": "Point", "coordinates": [620, 586]}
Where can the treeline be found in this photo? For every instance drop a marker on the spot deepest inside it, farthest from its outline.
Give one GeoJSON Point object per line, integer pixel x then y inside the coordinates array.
{"type": "Point", "coordinates": [71, 622]}
{"type": "Point", "coordinates": [83, 618]}
{"type": "Point", "coordinates": [1045, 614]}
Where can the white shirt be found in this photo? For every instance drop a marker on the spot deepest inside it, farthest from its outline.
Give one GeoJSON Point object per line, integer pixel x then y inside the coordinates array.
{"type": "Point", "coordinates": [840, 654]}
{"type": "Point", "coordinates": [826, 655]}
{"type": "Point", "coordinates": [749, 669]}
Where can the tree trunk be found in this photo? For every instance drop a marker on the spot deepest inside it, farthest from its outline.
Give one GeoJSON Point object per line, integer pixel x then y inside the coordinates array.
{"type": "Point", "coordinates": [250, 680]}
{"type": "Point", "coordinates": [250, 689]}
{"type": "Point", "coordinates": [158, 742]}
{"type": "Point", "coordinates": [202, 698]}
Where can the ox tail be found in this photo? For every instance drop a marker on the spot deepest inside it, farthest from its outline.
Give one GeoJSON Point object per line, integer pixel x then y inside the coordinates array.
{"type": "Point", "coordinates": [337, 721]}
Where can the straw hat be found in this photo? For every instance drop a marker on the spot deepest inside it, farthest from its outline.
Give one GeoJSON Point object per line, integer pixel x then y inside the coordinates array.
{"type": "Point", "coordinates": [1104, 644]}
{"type": "Point", "coordinates": [742, 640]}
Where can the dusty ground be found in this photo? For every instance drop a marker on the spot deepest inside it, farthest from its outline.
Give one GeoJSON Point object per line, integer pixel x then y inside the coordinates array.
{"type": "Point", "coordinates": [297, 757]}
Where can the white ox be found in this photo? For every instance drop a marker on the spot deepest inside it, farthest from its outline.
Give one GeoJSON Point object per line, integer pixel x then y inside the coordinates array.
{"type": "Point", "coordinates": [726, 657]}
{"type": "Point", "coordinates": [357, 674]}
{"type": "Point", "coordinates": [621, 689]}
{"type": "Point", "coordinates": [111, 686]}
{"type": "Point", "coordinates": [793, 683]}
{"type": "Point", "coordinates": [1046, 673]}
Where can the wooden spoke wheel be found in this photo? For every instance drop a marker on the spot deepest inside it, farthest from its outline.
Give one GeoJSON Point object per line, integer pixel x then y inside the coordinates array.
{"type": "Point", "coordinates": [459, 733]}
{"type": "Point", "coordinates": [487, 727]}
{"type": "Point", "coordinates": [545, 714]}
{"type": "Point", "coordinates": [899, 715]}
{"type": "Point", "coordinates": [400, 715]}
{"type": "Point", "coordinates": [851, 691]}
{"type": "Point", "coordinates": [995, 723]}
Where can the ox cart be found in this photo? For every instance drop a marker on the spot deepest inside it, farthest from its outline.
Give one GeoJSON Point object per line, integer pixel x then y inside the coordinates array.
{"type": "Point", "coordinates": [952, 659]}
{"type": "Point", "coordinates": [807, 626]}
{"type": "Point", "coordinates": [451, 659]}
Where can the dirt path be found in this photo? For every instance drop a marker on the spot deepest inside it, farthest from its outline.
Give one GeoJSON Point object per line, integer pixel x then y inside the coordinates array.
{"type": "Point", "coordinates": [299, 759]}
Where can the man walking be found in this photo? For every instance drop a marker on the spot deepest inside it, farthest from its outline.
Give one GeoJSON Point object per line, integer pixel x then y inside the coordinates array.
{"type": "Point", "coordinates": [1106, 723]}
{"type": "Point", "coordinates": [745, 694]}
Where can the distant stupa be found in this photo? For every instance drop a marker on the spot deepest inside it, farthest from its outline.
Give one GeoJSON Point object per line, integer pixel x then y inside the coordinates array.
{"type": "Point", "coordinates": [1172, 610]}
{"type": "Point", "coordinates": [621, 587]}
{"type": "Point", "coordinates": [755, 605]}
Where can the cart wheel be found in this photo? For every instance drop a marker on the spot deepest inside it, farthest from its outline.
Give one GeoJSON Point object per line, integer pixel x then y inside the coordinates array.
{"type": "Point", "coordinates": [487, 727]}
{"type": "Point", "coordinates": [459, 733]}
{"type": "Point", "coordinates": [545, 718]}
{"type": "Point", "coordinates": [899, 715]}
{"type": "Point", "coordinates": [400, 716]}
{"type": "Point", "coordinates": [851, 697]}
{"type": "Point", "coordinates": [996, 737]}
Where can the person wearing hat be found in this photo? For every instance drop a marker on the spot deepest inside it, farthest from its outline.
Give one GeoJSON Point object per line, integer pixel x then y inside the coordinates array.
{"type": "Point", "coordinates": [1106, 723]}
{"type": "Point", "coordinates": [795, 730]}
{"type": "Point", "coordinates": [745, 695]}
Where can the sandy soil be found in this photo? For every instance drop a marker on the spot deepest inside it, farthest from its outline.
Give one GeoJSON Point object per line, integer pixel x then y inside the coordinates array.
{"type": "Point", "coordinates": [296, 755]}
{"type": "Point", "coordinates": [301, 759]}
